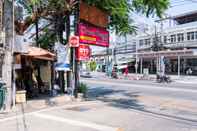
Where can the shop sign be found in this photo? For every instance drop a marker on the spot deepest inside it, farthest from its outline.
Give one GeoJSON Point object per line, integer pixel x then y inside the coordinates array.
{"type": "Point", "coordinates": [74, 41]}
{"type": "Point", "coordinates": [93, 15]}
{"type": "Point", "coordinates": [83, 52]}
{"type": "Point", "coordinates": [89, 34]}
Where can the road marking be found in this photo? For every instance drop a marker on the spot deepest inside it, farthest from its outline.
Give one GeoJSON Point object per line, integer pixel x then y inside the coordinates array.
{"type": "Point", "coordinates": [48, 109]}
{"type": "Point", "coordinates": [139, 86]}
{"type": "Point", "coordinates": [186, 82]}
{"type": "Point", "coordinates": [77, 123]}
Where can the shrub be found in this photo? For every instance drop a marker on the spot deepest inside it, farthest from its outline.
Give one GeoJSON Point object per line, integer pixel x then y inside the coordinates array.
{"type": "Point", "coordinates": [83, 88]}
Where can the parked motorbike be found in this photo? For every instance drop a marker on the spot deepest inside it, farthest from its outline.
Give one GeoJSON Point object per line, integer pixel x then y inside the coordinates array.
{"type": "Point", "coordinates": [164, 78]}
{"type": "Point", "coordinates": [114, 75]}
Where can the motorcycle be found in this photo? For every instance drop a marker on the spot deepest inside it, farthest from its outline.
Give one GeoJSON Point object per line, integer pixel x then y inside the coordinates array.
{"type": "Point", "coordinates": [164, 78]}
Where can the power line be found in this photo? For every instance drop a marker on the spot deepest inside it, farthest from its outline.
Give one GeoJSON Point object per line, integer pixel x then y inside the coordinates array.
{"type": "Point", "coordinates": [180, 5]}
{"type": "Point", "coordinates": [194, 1]}
{"type": "Point", "coordinates": [177, 2]}
{"type": "Point", "coordinates": [183, 2]}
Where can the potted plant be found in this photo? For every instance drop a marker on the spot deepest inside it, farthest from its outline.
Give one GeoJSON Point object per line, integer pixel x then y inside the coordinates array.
{"type": "Point", "coordinates": [83, 90]}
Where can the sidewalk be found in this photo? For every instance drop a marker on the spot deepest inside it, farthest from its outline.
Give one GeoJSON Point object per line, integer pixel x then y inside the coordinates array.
{"type": "Point", "coordinates": [38, 104]}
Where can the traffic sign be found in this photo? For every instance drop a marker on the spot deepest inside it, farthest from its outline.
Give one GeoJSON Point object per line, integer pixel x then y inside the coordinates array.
{"type": "Point", "coordinates": [74, 41]}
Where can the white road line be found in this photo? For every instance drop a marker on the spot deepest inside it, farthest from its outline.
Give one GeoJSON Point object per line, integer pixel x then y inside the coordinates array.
{"type": "Point", "coordinates": [186, 82]}
{"type": "Point", "coordinates": [76, 123]}
{"type": "Point", "coordinates": [139, 86]}
{"type": "Point", "coordinates": [47, 109]}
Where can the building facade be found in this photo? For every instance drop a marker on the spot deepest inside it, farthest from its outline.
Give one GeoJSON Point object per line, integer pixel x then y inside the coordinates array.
{"type": "Point", "coordinates": [171, 49]}
{"type": "Point", "coordinates": [179, 44]}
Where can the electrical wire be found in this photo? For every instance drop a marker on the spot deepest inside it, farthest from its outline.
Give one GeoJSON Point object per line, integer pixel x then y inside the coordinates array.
{"type": "Point", "coordinates": [183, 2]}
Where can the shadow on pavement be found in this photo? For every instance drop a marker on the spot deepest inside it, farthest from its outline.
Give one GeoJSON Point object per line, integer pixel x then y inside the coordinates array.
{"type": "Point", "coordinates": [128, 100]}
{"type": "Point", "coordinates": [116, 98]}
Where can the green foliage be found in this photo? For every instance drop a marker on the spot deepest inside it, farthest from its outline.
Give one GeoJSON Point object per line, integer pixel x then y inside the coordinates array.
{"type": "Point", "coordinates": [120, 10]}
{"type": "Point", "coordinates": [92, 65]}
{"type": "Point", "coordinates": [83, 88]}
{"type": "Point", "coordinates": [149, 7]}
{"type": "Point", "coordinates": [47, 39]}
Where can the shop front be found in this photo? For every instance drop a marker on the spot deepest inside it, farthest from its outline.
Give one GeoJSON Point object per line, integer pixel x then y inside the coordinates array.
{"type": "Point", "coordinates": [34, 72]}
{"type": "Point", "coordinates": [179, 62]}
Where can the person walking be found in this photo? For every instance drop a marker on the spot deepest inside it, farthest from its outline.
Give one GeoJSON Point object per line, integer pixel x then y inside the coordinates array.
{"type": "Point", "coordinates": [126, 72]}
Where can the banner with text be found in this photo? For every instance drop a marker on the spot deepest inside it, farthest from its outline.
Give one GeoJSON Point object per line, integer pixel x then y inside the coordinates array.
{"type": "Point", "coordinates": [89, 34]}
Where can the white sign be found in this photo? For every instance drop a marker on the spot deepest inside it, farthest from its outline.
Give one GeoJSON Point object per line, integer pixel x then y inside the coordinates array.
{"type": "Point", "coordinates": [63, 57]}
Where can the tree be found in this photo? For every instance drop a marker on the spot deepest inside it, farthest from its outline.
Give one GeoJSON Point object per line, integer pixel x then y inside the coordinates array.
{"type": "Point", "coordinates": [120, 11]}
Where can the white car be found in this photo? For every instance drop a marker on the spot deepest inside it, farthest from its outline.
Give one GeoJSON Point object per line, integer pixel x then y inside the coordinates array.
{"type": "Point", "coordinates": [85, 74]}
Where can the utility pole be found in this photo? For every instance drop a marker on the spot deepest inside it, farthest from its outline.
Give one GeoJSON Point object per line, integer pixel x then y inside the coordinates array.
{"type": "Point", "coordinates": [73, 51]}
{"type": "Point", "coordinates": [8, 27]}
{"type": "Point", "coordinates": [136, 58]}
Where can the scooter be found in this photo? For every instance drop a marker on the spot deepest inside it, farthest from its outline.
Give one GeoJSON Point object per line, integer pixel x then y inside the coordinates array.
{"type": "Point", "coordinates": [114, 75]}
{"type": "Point", "coordinates": [161, 79]}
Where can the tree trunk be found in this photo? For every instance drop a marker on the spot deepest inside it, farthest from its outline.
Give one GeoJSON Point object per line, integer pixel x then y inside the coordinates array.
{"type": "Point", "coordinates": [8, 26]}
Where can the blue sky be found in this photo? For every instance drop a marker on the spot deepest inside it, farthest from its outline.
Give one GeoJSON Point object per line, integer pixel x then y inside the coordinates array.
{"type": "Point", "coordinates": [177, 7]}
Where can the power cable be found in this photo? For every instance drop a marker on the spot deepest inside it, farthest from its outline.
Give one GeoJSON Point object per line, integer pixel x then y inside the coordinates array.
{"type": "Point", "coordinates": [180, 5]}
{"type": "Point", "coordinates": [183, 2]}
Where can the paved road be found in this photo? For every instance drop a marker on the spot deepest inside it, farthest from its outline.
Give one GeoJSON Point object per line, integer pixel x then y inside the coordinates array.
{"type": "Point", "coordinates": [173, 90]}
{"type": "Point", "coordinates": [116, 105]}
{"type": "Point", "coordinates": [170, 100]}
{"type": "Point", "coordinates": [93, 116]}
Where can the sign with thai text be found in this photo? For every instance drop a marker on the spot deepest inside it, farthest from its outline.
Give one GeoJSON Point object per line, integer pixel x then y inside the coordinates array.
{"type": "Point", "coordinates": [83, 52]}
{"type": "Point", "coordinates": [89, 34]}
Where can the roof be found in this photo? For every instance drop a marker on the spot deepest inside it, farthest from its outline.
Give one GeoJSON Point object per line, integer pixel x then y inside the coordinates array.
{"type": "Point", "coordinates": [186, 17]}
{"type": "Point", "coordinates": [39, 53]}
{"type": "Point", "coordinates": [185, 14]}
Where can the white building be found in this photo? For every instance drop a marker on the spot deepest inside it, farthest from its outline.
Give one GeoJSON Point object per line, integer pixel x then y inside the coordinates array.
{"type": "Point", "coordinates": [179, 44]}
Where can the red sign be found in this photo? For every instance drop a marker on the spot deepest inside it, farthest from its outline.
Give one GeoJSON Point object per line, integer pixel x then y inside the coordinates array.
{"type": "Point", "coordinates": [89, 34]}
{"type": "Point", "coordinates": [83, 52]}
{"type": "Point", "coordinates": [74, 41]}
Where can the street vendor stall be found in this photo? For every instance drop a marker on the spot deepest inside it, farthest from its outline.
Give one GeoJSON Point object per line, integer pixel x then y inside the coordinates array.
{"type": "Point", "coordinates": [34, 73]}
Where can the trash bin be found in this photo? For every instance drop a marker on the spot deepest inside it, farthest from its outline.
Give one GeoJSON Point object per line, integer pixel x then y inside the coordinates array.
{"type": "Point", "coordinates": [2, 97]}
{"type": "Point", "coordinates": [2, 94]}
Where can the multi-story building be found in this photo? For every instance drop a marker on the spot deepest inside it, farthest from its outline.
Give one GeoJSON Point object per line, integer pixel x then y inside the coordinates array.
{"type": "Point", "coordinates": [179, 44]}
{"type": "Point", "coordinates": [176, 47]}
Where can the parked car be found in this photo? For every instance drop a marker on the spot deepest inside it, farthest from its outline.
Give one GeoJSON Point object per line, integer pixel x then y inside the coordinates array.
{"type": "Point", "coordinates": [85, 74]}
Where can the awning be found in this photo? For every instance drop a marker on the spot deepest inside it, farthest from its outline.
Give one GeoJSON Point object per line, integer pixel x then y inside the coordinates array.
{"type": "Point", "coordinates": [167, 53]}
{"type": "Point", "coordinates": [39, 53]}
{"type": "Point", "coordinates": [122, 66]}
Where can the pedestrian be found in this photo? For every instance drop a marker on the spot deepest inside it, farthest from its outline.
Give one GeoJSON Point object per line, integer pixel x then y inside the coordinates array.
{"type": "Point", "coordinates": [126, 72]}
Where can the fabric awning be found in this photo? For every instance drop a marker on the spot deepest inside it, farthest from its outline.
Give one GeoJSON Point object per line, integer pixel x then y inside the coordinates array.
{"type": "Point", "coordinates": [122, 66]}
{"type": "Point", "coordinates": [39, 53]}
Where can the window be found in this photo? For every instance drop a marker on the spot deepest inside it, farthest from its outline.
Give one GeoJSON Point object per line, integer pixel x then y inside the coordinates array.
{"type": "Point", "coordinates": [172, 38]}
{"type": "Point", "coordinates": [165, 39]}
{"type": "Point", "coordinates": [147, 41]}
{"type": "Point", "coordinates": [141, 42]}
{"type": "Point", "coordinates": [190, 35]}
{"type": "Point", "coordinates": [196, 35]}
{"type": "Point", "coordinates": [180, 37]}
